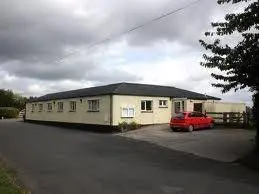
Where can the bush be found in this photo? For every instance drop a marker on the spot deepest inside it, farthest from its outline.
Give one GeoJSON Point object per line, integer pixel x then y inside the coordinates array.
{"type": "Point", "coordinates": [124, 126]}
{"type": "Point", "coordinates": [133, 125]}
{"type": "Point", "coordinates": [8, 112]}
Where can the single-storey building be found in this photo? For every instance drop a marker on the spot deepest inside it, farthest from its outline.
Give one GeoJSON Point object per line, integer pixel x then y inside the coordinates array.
{"type": "Point", "coordinates": [111, 104]}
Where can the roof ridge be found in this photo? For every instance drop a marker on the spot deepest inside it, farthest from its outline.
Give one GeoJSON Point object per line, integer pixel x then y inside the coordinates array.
{"type": "Point", "coordinates": [120, 85]}
{"type": "Point", "coordinates": [126, 88]}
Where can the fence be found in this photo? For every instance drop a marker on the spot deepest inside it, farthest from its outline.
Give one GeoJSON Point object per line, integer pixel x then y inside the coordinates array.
{"type": "Point", "coordinates": [231, 118]}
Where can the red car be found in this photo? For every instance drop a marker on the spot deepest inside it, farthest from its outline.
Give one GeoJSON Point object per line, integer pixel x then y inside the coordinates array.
{"type": "Point", "coordinates": [190, 121]}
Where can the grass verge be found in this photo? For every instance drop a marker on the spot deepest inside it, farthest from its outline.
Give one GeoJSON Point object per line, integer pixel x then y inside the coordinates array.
{"type": "Point", "coordinates": [9, 184]}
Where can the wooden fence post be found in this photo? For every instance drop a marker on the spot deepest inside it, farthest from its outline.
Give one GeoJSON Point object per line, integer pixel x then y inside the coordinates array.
{"type": "Point", "coordinates": [224, 118]}
{"type": "Point", "coordinates": [231, 117]}
{"type": "Point", "coordinates": [244, 119]}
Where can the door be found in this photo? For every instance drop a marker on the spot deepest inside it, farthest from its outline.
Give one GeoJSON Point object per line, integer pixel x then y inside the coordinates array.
{"type": "Point", "coordinates": [197, 107]}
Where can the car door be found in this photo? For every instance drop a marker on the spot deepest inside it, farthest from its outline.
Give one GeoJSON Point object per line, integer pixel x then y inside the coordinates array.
{"type": "Point", "coordinates": [198, 120]}
{"type": "Point", "coordinates": [203, 121]}
{"type": "Point", "coordinates": [191, 119]}
{"type": "Point", "coordinates": [207, 121]}
{"type": "Point", "coordinates": [194, 120]}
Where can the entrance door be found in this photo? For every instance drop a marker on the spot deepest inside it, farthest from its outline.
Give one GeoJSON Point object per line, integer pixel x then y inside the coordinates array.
{"type": "Point", "coordinates": [197, 107]}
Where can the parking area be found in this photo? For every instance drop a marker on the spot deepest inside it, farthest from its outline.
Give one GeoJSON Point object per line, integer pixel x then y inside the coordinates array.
{"type": "Point", "coordinates": [63, 161]}
{"type": "Point", "coordinates": [222, 144]}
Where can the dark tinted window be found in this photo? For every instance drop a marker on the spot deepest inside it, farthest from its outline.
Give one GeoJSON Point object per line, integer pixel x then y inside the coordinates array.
{"type": "Point", "coordinates": [191, 114]}
{"type": "Point", "coordinates": [143, 105]}
{"type": "Point", "coordinates": [180, 115]}
{"type": "Point", "coordinates": [198, 114]}
{"type": "Point", "coordinates": [195, 114]}
{"type": "Point", "coordinates": [148, 105]}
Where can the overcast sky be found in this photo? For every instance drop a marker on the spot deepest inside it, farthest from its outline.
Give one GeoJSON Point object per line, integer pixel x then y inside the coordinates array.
{"type": "Point", "coordinates": [44, 45]}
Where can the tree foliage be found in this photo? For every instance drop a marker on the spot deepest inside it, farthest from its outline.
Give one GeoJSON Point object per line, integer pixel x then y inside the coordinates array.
{"type": "Point", "coordinates": [238, 63]}
{"type": "Point", "coordinates": [10, 99]}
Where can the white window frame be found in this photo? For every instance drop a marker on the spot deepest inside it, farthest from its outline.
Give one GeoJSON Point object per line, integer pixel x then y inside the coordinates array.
{"type": "Point", "coordinates": [32, 107]}
{"type": "Point", "coordinates": [163, 103]}
{"type": "Point", "coordinates": [179, 106]}
{"type": "Point", "coordinates": [93, 105]}
{"type": "Point", "coordinates": [49, 106]}
{"type": "Point", "coordinates": [72, 105]}
{"type": "Point", "coordinates": [145, 110]}
{"type": "Point", "coordinates": [127, 112]}
{"type": "Point", "coordinates": [40, 107]}
{"type": "Point", "coordinates": [60, 106]}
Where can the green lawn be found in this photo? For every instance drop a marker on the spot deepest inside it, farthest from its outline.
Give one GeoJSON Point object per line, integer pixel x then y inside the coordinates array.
{"type": "Point", "coordinates": [8, 181]}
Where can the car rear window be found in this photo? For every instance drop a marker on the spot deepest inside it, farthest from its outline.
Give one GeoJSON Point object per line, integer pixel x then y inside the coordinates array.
{"type": "Point", "coordinates": [180, 115]}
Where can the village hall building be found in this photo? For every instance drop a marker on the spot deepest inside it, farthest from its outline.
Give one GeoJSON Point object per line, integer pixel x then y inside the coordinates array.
{"type": "Point", "coordinates": [111, 104]}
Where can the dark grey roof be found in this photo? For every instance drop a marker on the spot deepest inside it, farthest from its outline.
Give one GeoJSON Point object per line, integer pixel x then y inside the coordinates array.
{"type": "Point", "coordinates": [127, 89]}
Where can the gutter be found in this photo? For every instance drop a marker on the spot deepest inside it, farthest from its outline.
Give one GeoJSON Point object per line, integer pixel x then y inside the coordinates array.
{"type": "Point", "coordinates": [111, 109]}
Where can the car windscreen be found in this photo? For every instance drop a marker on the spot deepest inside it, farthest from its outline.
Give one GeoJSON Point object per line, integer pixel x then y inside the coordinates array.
{"type": "Point", "coordinates": [180, 115]}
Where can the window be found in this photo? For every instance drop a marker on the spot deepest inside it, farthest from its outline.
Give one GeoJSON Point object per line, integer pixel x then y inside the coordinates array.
{"type": "Point", "coordinates": [196, 114]}
{"type": "Point", "coordinates": [192, 114]}
{"type": "Point", "coordinates": [32, 108]}
{"type": "Point", "coordinates": [49, 106]}
{"type": "Point", "coordinates": [127, 112]}
{"type": "Point", "coordinates": [93, 105]}
{"type": "Point", "coordinates": [163, 103]}
{"type": "Point", "coordinates": [60, 106]}
{"type": "Point", "coordinates": [146, 105]}
{"type": "Point", "coordinates": [40, 107]}
{"type": "Point", "coordinates": [183, 106]}
{"type": "Point", "coordinates": [72, 106]}
{"type": "Point", "coordinates": [177, 107]}
{"type": "Point", "coordinates": [180, 115]}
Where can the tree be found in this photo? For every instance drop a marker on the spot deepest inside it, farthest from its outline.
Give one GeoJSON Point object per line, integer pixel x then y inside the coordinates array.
{"type": "Point", "coordinates": [10, 99]}
{"type": "Point", "coordinates": [239, 64]}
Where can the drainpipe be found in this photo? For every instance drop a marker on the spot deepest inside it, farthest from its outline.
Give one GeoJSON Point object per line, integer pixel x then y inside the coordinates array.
{"type": "Point", "coordinates": [111, 110]}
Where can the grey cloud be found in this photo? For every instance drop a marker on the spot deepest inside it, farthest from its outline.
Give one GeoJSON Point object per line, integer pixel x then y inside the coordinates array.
{"type": "Point", "coordinates": [34, 33]}
{"type": "Point", "coordinates": [40, 30]}
{"type": "Point", "coordinates": [44, 71]}
{"type": "Point", "coordinates": [33, 30]}
{"type": "Point", "coordinates": [111, 76]}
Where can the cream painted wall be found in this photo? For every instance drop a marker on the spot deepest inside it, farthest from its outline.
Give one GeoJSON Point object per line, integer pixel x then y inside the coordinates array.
{"type": "Point", "coordinates": [158, 115]}
{"type": "Point", "coordinates": [81, 115]}
{"type": "Point", "coordinates": [224, 107]}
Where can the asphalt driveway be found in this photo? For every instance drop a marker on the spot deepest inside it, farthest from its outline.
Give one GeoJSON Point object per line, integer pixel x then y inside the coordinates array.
{"type": "Point", "coordinates": [60, 161]}
{"type": "Point", "coordinates": [222, 144]}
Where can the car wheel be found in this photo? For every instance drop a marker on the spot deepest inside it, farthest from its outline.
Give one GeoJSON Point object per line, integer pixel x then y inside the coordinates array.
{"type": "Point", "coordinates": [190, 128]}
{"type": "Point", "coordinates": [211, 125]}
{"type": "Point", "coordinates": [173, 129]}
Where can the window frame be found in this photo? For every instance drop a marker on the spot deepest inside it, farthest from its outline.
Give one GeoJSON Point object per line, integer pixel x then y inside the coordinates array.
{"type": "Point", "coordinates": [178, 106]}
{"type": "Point", "coordinates": [128, 115]}
{"type": "Point", "coordinates": [32, 107]}
{"type": "Point", "coordinates": [40, 107]}
{"type": "Point", "coordinates": [90, 107]}
{"type": "Point", "coordinates": [163, 103]}
{"type": "Point", "coordinates": [59, 107]}
{"type": "Point", "coordinates": [72, 106]}
{"type": "Point", "coordinates": [49, 104]}
{"type": "Point", "coordinates": [145, 110]}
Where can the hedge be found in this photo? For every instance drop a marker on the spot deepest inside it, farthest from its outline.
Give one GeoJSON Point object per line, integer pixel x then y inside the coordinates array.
{"type": "Point", "coordinates": [9, 112]}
